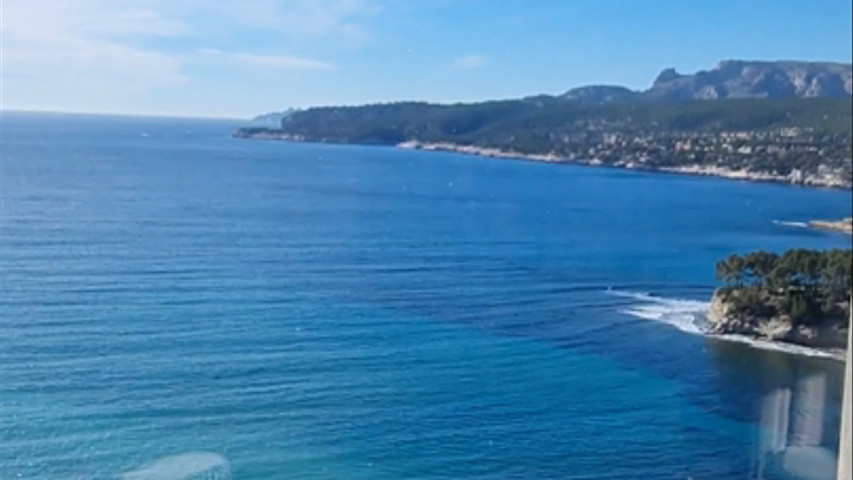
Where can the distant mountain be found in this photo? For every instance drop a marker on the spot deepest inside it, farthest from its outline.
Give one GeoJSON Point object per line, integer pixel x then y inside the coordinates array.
{"type": "Point", "coordinates": [743, 79]}
{"type": "Point", "coordinates": [593, 94]}
{"type": "Point", "coordinates": [733, 79]}
{"type": "Point", "coordinates": [273, 118]}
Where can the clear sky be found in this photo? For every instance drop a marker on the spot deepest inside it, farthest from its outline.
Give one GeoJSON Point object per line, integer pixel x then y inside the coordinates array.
{"type": "Point", "coordinates": [243, 57]}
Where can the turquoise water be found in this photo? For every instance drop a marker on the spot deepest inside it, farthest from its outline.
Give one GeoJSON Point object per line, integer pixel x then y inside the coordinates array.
{"type": "Point", "coordinates": [323, 312]}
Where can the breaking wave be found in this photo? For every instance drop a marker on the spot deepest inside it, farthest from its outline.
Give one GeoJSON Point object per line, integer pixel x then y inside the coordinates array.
{"type": "Point", "coordinates": [686, 315]}
{"type": "Point", "coordinates": [791, 223]}
{"type": "Point", "coordinates": [782, 347]}
{"type": "Point", "coordinates": [690, 316]}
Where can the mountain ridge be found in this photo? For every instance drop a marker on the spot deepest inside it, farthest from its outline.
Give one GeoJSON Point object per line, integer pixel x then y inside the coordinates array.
{"type": "Point", "coordinates": [733, 79]}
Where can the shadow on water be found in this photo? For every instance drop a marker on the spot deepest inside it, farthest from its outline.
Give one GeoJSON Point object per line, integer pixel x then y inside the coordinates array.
{"type": "Point", "coordinates": [795, 401]}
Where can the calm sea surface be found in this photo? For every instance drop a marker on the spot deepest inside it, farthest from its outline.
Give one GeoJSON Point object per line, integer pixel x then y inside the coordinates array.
{"type": "Point", "coordinates": [179, 301]}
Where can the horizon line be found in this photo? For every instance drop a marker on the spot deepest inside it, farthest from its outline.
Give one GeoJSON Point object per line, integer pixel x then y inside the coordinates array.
{"type": "Point", "coordinates": [123, 114]}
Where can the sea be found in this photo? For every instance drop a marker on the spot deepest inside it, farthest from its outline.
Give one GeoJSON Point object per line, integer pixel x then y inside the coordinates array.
{"type": "Point", "coordinates": [179, 304]}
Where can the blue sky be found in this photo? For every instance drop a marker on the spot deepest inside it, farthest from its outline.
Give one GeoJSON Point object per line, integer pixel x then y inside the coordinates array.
{"type": "Point", "coordinates": [239, 58]}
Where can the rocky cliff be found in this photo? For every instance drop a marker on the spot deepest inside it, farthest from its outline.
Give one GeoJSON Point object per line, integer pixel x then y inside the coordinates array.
{"type": "Point", "coordinates": [724, 318]}
{"type": "Point", "coordinates": [734, 79]}
{"type": "Point", "coordinates": [594, 94]}
{"type": "Point", "coordinates": [744, 79]}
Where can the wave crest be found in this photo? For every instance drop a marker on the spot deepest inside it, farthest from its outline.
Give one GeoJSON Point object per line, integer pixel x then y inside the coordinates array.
{"type": "Point", "coordinates": [690, 316]}
{"type": "Point", "coordinates": [685, 315]}
{"type": "Point", "coordinates": [791, 223]}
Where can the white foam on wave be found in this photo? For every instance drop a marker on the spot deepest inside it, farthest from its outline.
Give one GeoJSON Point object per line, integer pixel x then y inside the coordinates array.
{"type": "Point", "coordinates": [686, 315]}
{"type": "Point", "coordinates": [781, 347]}
{"type": "Point", "coordinates": [791, 223]}
{"type": "Point", "coordinates": [690, 316]}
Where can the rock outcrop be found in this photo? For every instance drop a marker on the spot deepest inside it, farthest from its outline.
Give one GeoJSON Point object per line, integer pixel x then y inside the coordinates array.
{"type": "Point", "coordinates": [845, 225]}
{"type": "Point", "coordinates": [724, 318]}
{"type": "Point", "coordinates": [733, 79]}
{"type": "Point", "coordinates": [596, 94]}
{"type": "Point", "coordinates": [748, 79]}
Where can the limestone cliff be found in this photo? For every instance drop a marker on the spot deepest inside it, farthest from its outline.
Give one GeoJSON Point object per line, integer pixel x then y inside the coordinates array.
{"type": "Point", "coordinates": [723, 317]}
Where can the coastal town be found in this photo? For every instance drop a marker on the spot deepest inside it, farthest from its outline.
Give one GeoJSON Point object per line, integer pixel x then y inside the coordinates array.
{"type": "Point", "coordinates": [788, 155]}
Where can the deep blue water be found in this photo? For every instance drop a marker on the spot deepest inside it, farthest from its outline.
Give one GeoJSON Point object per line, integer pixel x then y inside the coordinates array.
{"type": "Point", "coordinates": [323, 312]}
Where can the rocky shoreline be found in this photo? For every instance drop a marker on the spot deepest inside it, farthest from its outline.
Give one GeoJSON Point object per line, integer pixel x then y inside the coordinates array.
{"type": "Point", "coordinates": [722, 319]}
{"type": "Point", "coordinates": [844, 225]}
{"type": "Point", "coordinates": [794, 178]}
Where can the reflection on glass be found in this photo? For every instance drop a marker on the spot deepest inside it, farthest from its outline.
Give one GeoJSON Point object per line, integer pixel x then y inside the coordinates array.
{"type": "Point", "coordinates": [792, 403]}
{"type": "Point", "coordinates": [186, 466]}
{"type": "Point", "coordinates": [792, 431]}
{"type": "Point", "coordinates": [774, 421]}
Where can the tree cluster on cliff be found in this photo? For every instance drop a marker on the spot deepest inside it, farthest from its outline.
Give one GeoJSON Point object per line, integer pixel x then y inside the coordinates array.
{"type": "Point", "coordinates": [806, 285]}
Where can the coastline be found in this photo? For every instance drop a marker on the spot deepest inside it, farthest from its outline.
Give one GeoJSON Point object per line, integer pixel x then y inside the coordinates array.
{"type": "Point", "coordinates": [796, 178]}
{"type": "Point", "coordinates": [844, 225]}
{"type": "Point", "coordinates": [694, 317]}
{"type": "Point", "coordinates": [763, 343]}
{"type": "Point", "coordinates": [721, 321]}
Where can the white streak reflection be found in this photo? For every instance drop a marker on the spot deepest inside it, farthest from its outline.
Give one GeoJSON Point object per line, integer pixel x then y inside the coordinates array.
{"type": "Point", "coordinates": [792, 432]}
